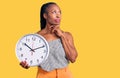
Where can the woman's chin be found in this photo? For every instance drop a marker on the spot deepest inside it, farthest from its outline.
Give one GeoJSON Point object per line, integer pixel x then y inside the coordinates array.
{"type": "Point", "coordinates": [55, 25]}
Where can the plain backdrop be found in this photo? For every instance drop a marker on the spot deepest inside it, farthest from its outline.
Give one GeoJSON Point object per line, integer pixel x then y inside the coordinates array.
{"type": "Point", "coordinates": [94, 24]}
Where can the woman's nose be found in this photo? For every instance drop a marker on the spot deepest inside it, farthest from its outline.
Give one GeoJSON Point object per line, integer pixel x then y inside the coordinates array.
{"type": "Point", "coordinates": [58, 15]}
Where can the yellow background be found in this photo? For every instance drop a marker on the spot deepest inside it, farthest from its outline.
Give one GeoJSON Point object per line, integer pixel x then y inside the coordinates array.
{"type": "Point", "coordinates": [94, 24]}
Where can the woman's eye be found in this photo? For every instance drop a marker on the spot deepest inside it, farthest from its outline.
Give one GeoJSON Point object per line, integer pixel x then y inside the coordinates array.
{"type": "Point", "coordinates": [54, 12]}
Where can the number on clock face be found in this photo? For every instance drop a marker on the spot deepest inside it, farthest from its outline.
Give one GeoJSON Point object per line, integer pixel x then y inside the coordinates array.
{"type": "Point", "coordinates": [33, 49]}
{"type": "Point", "coordinates": [27, 39]}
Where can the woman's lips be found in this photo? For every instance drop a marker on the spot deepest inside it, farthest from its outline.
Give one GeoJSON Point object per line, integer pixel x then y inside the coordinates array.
{"type": "Point", "coordinates": [57, 20]}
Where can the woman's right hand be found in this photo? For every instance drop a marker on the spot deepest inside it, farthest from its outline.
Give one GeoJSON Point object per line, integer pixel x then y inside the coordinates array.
{"type": "Point", "coordinates": [24, 64]}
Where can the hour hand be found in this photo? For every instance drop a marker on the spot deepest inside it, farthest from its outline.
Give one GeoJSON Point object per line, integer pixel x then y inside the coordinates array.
{"type": "Point", "coordinates": [28, 47]}
{"type": "Point", "coordinates": [39, 47]}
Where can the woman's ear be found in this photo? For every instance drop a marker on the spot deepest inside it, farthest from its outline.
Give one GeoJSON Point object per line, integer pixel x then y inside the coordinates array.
{"type": "Point", "coordinates": [45, 15]}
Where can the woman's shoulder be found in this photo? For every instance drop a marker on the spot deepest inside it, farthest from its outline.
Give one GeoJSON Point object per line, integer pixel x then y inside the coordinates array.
{"type": "Point", "coordinates": [68, 35]}
{"type": "Point", "coordinates": [40, 32]}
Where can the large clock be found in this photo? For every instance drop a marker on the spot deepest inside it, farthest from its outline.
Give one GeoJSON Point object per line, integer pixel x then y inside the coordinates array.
{"type": "Point", "coordinates": [32, 48]}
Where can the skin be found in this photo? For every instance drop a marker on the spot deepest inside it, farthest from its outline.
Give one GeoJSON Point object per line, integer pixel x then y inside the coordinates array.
{"type": "Point", "coordinates": [52, 31]}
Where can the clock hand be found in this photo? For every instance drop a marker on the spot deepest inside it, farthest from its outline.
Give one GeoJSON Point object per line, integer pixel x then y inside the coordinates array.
{"type": "Point", "coordinates": [39, 47]}
{"type": "Point", "coordinates": [28, 47]}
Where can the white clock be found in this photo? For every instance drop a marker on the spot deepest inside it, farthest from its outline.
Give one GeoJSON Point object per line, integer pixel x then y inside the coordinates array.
{"type": "Point", "coordinates": [33, 49]}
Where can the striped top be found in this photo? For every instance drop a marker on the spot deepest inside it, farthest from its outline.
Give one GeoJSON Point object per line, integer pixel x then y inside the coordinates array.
{"type": "Point", "coordinates": [57, 58]}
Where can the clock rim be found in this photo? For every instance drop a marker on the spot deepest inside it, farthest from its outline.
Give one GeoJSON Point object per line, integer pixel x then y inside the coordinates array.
{"type": "Point", "coordinates": [46, 42]}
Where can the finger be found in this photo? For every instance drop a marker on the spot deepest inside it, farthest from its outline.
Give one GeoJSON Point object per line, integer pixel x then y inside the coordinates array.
{"type": "Point", "coordinates": [21, 63]}
{"type": "Point", "coordinates": [55, 28]}
{"type": "Point", "coordinates": [55, 31]}
{"type": "Point", "coordinates": [51, 28]}
{"type": "Point", "coordinates": [25, 63]}
{"type": "Point", "coordinates": [26, 66]}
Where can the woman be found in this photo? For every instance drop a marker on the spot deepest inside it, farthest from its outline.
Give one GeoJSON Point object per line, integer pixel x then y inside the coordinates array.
{"type": "Point", "coordinates": [62, 49]}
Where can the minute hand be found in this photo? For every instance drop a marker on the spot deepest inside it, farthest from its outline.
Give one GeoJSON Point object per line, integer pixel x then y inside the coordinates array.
{"type": "Point", "coordinates": [39, 47]}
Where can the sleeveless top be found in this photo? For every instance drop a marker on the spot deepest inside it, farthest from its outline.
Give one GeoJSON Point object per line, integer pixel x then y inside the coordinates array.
{"type": "Point", "coordinates": [56, 58]}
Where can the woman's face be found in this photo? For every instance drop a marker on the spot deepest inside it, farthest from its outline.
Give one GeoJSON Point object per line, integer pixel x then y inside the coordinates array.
{"type": "Point", "coordinates": [53, 15]}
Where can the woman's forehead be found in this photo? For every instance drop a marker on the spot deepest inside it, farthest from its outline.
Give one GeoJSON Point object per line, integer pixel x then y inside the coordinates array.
{"type": "Point", "coordinates": [53, 7]}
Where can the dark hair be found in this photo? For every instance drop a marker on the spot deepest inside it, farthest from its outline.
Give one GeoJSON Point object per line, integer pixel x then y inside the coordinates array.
{"type": "Point", "coordinates": [43, 10]}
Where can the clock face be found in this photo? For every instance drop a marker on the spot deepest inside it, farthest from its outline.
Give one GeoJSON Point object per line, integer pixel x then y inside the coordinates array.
{"type": "Point", "coordinates": [33, 49]}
